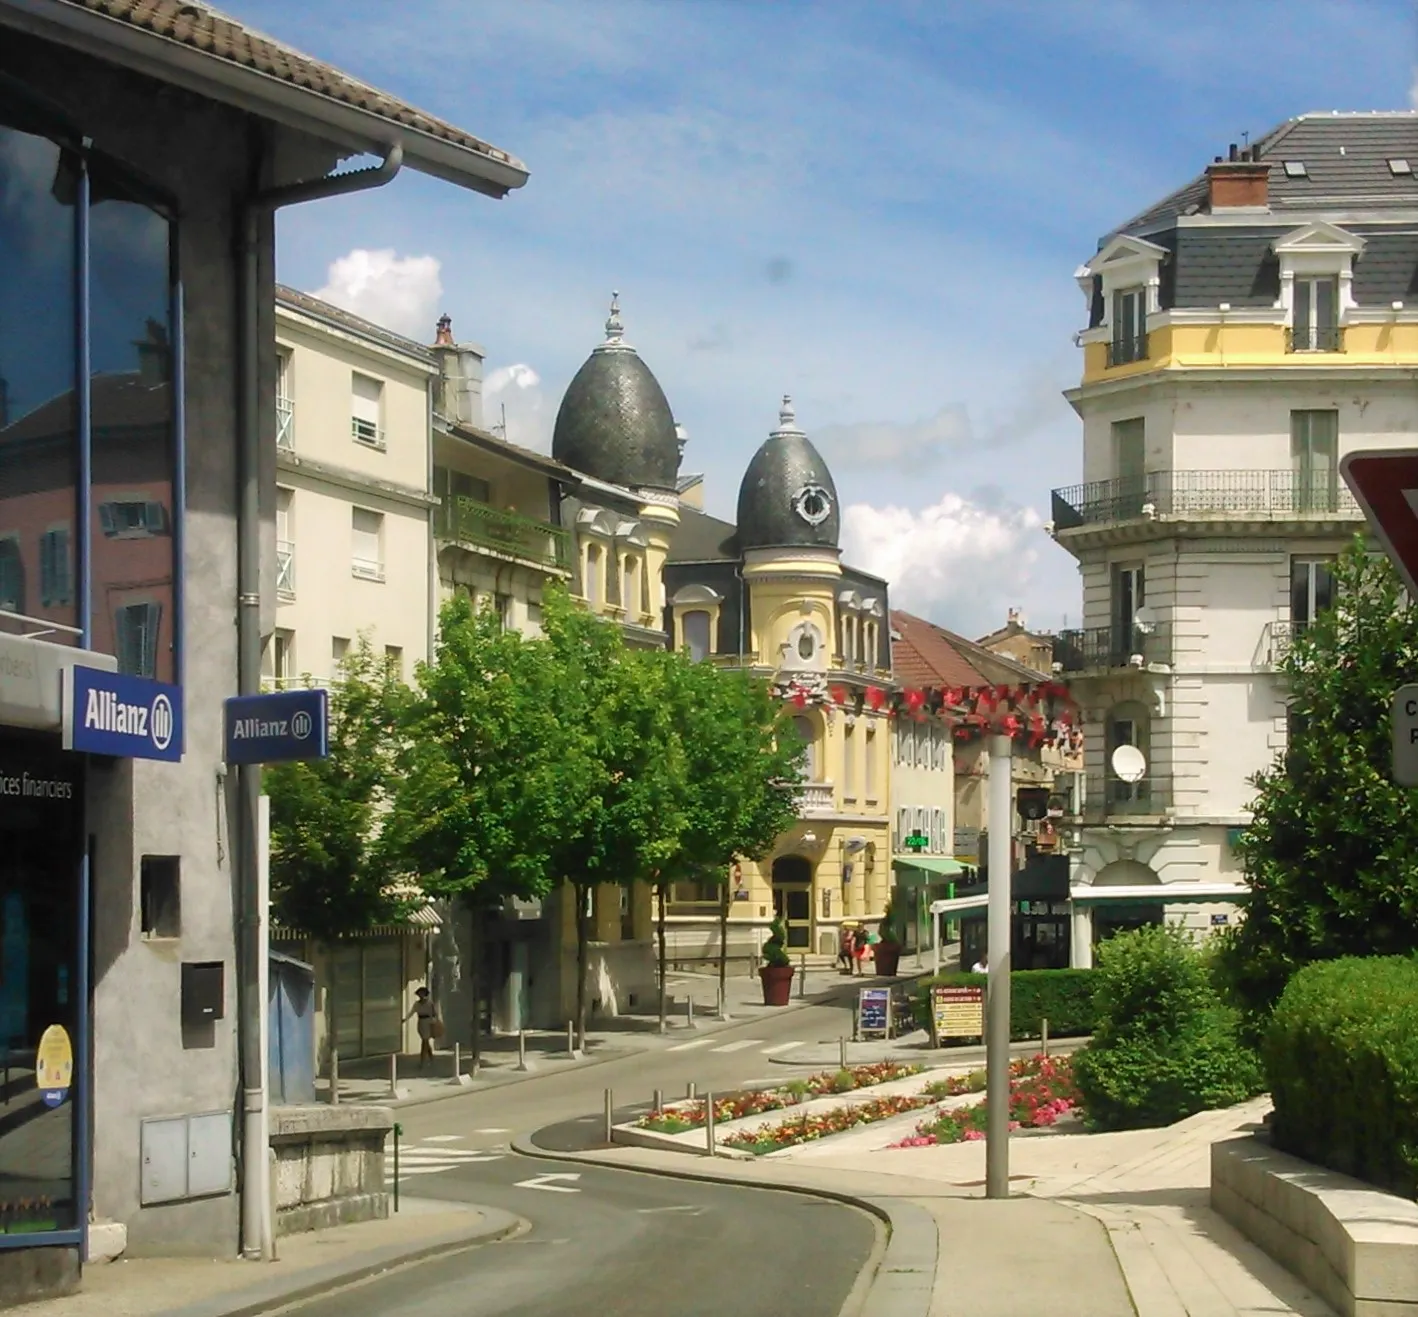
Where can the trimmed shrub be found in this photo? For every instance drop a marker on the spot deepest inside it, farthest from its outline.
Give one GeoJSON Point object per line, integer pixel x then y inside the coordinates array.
{"type": "Point", "coordinates": [1341, 1055]}
{"type": "Point", "coordinates": [1165, 1045]}
{"type": "Point", "coordinates": [1064, 997]}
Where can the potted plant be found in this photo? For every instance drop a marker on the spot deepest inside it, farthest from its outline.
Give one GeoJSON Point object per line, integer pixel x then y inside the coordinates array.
{"type": "Point", "coordinates": [887, 952]}
{"type": "Point", "coordinates": [776, 972]}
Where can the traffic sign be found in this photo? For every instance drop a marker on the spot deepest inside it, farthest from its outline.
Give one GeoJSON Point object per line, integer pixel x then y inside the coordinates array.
{"type": "Point", "coordinates": [1384, 481]}
{"type": "Point", "coordinates": [1405, 736]}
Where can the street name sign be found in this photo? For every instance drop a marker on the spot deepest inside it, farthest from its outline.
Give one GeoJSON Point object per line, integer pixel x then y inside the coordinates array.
{"type": "Point", "coordinates": [267, 729]}
{"type": "Point", "coordinates": [1384, 482]}
{"type": "Point", "coordinates": [125, 717]}
{"type": "Point", "coordinates": [1405, 736]}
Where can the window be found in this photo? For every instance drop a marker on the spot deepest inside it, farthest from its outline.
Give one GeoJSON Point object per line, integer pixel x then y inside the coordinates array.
{"type": "Point", "coordinates": [366, 410]}
{"type": "Point", "coordinates": [937, 748]}
{"type": "Point", "coordinates": [285, 406]}
{"type": "Point", "coordinates": [1311, 589]}
{"type": "Point", "coordinates": [629, 596]}
{"type": "Point", "coordinates": [1316, 319]}
{"type": "Point", "coordinates": [1129, 465]}
{"type": "Point", "coordinates": [128, 519]}
{"type": "Point", "coordinates": [695, 625]}
{"type": "Point", "coordinates": [368, 544]}
{"type": "Point", "coordinates": [849, 763]}
{"type": "Point", "coordinates": [12, 576]}
{"type": "Point", "coordinates": [808, 733]}
{"type": "Point", "coordinates": [940, 834]}
{"type": "Point", "coordinates": [903, 828]}
{"type": "Point", "coordinates": [807, 645]}
{"type": "Point", "coordinates": [159, 895]}
{"type": "Point", "coordinates": [450, 485]}
{"type": "Point", "coordinates": [534, 613]}
{"type": "Point", "coordinates": [56, 581]}
{"type": "Point", "coordinates": [279, 661]}
{"type": "Point", "coordinates": [923, 746]}
{"type": "Point", "coordinates": [394, 660]}
{"type": "Point", "coordinates": [339, 651]}
{"type": "Point", "coordinates": [1129, 327]}
{"type": "Point", "coordinates": [502, 606]}
{"type": "Point", "coordinates": [285, 546]}
{"type": "Point", "coordinates": [593, 573]}
{"type": "Point", "coordinates": [1314, 453]}
{"type": "Point", "coordinates": [870, 760]}
{"type": "Point", "coordinates": [869, 643]}
{"type": "Point", "coordinates": [1129, 594]}
{"type": "Point", "coordinates": [136, 633]}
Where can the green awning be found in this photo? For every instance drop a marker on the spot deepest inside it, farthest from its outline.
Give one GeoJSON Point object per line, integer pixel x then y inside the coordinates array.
{"type": "Point", "coordinates": [922, 870]}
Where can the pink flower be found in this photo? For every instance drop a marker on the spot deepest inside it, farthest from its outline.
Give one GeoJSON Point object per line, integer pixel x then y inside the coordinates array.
{"type": "Point", "coordinates": [973, 1135]}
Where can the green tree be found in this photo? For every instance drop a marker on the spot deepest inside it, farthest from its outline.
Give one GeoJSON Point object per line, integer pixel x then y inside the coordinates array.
{"type": "Point", "coordinates": [1332, 850]}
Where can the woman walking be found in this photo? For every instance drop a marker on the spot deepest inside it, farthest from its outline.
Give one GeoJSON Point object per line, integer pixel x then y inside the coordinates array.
{"type": "Point", "coordinates": [427, 1014]}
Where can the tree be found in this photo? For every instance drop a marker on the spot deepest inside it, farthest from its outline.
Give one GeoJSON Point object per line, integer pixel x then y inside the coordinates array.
{"type": "Point", "coordinates": [1332, 850]}
{"type": "Point", "coordinates": [332, 877]}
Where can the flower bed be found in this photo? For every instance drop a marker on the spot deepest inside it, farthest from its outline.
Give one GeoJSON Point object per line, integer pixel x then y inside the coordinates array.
{"type": "Point", "coordinates": [770, 1138]}
{"type": "Point", "coordinates": [734, 1106]}
{"type": "Point", "coordinates": [1041, 1090]}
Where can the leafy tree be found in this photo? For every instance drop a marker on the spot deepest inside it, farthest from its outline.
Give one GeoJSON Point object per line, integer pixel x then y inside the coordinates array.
{"type": "Point", "coordinates": [1332, 851]}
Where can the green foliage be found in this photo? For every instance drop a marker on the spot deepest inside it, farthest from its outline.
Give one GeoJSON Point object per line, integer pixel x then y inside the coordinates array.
{"type": "Point", "coordinates": [1341, 1057]}
{"type": "Point", "coordinates": [1164, 1045]}
{"type": "Point", "coordinates": [893, 922]}
{"type": "Point", "coordinates": [333, 872]}
{"type": "Point", "coordinates": [1332, 852]}
{"type": "Point", "coordinates": [1064, 997]}
{"type": "Point", "coordinates": [775, 950]}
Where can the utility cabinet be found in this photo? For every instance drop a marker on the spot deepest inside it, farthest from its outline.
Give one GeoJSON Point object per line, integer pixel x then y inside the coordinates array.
{"type": "Point", "coordinates": [186, 1157]}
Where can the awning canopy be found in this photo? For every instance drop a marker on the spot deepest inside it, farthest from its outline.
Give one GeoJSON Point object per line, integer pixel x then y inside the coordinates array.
{"type": "Point", "coordinates": [917, 870]}
{"type": "Point", "coordinates": [1159, 894]}
{"type": "Point", "coordinates": [961, 904]}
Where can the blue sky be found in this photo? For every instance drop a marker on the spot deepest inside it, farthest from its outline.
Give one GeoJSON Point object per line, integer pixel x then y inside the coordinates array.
{"type": "Point", "coordinates": [876, 207]}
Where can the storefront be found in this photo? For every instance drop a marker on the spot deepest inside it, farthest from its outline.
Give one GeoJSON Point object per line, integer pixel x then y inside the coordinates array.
{"type": "Point", "coordinates": [920, 880]}
{"type": "Point", "coordinates": [1040, 933]}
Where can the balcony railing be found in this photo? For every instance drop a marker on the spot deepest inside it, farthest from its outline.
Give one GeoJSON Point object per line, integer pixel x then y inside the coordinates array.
{"type": "Point", "coordinates": [1283, 635]}
{"type": "Point", "coordinates": [1243, 495]}
{"type": "Point", "coordinates": [816, 798]}
{"type": "Point", "coordinates": [366, 432]}
{"type": "Point", "coordinates": [1112, 647]}
{"type": "Point", "coordinates": [285, 569]}
{"type": "Point", "coordinates": [466, 521]}
{"type": "Point", "coordinates": [1109, 797]}
{"type": "Point", "coordinates": [1314, 338]}
{"type": "Point", "coordinates": [1121, 351]}
{"type": "Point", "coordinates": [285, 424]}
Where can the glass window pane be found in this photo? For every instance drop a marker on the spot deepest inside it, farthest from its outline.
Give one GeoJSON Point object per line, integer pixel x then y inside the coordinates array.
{"type": "Point", "coordinates": [1303, 309]}
{"type": "Point", "coordinates": [1325, 299]}
{"type": "Point", "coordinates": [696, 634]}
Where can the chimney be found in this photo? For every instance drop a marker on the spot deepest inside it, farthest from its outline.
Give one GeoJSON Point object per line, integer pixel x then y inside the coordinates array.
{"type": "Point", "coordinates": [1239, 182]}
{"type": "Point", "coordinates": [460, 383]}
{"type": "Point", "coordinates": [1015, 618]}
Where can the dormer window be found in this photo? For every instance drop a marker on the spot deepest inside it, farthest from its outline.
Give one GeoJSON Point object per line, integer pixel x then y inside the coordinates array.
{"type": "Point", "coordinates": [1129, 342]}
{"type": "Point", "coordinates": [1316, 327]}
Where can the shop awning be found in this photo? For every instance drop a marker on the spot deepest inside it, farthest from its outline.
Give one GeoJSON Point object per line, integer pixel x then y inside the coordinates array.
{"type": "Point", "coordinates": [961, 904]}
{"type": "Point", "coordinates": [1159, 894]}
{"type": "Point", "coordinates": [921, 870]}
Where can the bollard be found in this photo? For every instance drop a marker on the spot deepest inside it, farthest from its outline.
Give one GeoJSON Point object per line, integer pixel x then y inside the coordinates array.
{"type": "Point", "coordinates": [802, 976]}
{"type": "Point", "coordinates": [522, 1050]}
{"type": "Point", "coordinates": [659, 1104]}
{"type": "Point", "coordinates": [1044, 1035]}
{"type": "Point", "coordinates": [709, 1122]}
{"type": "Point", "coordinates": [457, 1063]}
{"type": "Point", "coordinates": [610, 1117]}
{"type": "Point", "coordinates": [689, 1012]}
{"type": "Point", "coordinates": [689, 1091]}
{"type": "Point", "coordinates": [393, 1074]}
{"type": "Point", "coordinates": [334, 1076]}
{"type": "Point", "coordinates": [723, 1003]}
{"type": "Point", "coordinates": [571, 1038]}
{"type": "Point", "coordinates": [398, 1130]}
{"type": "Point", "coordinates": [842, 1052]}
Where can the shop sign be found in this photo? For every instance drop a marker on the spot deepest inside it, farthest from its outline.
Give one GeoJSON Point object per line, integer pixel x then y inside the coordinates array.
{"type": "Point", "coordinates": [874, 1012]}
{"type": "Point", "coordinates": [54, 1065]}
{"type": "Point", "coordinates": [267, 729]}
{"type": "Point", "coordinates": [957, 1013]}
{"type": "Point", "coordinates": [112, 713]}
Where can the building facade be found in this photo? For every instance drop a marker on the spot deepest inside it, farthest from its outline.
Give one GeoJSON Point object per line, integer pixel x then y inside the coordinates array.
{"type": "Point", "coordinates": [1242, 335]}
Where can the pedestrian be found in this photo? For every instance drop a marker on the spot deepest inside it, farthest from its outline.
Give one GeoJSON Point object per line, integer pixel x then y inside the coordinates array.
{"type": "Point", "coordinates": [982, 966]}
{"type": "Point", "coordinates": [859, 948]}
{"type": "Point", "coordinates": [844, 948]}
{"type": "Point", "coordinates": [428, 1024]}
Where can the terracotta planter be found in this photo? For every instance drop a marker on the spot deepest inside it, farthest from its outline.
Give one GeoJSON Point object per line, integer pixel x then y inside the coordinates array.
{"type": "Point", "coordinates": [887, 956]}
{"type": "Point", "coordinates": [777, 984]}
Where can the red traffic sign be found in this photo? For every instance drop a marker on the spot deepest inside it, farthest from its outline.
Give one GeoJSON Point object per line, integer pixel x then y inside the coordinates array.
{"type": "Point", "coordinates": [1385, 483]}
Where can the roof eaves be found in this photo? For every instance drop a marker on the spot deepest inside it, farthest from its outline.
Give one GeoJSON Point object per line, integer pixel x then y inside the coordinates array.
{"type": "Point", "coordinates": [338, 318]}
{"type": "Point", "coordinates": [126, 38]}
{"type": "Point", "coordinates": [513, 452]}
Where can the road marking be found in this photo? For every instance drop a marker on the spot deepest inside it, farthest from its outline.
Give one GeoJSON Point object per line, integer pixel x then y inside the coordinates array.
{"type": "Point", "coordinates": [444, 1138]}
{"type": "Point", "coordinates": [683, 1207]}
{"type": "Point", "coordinates": [547, 1182]}
{"type": "Point", "coordinates": [780, 1049]}
{"type": "Point", "coordinates": [495, 1130]}
{"type": "Point", "coordinates": [693, 1042]}
{"type": "Point", "coordinates": [740, 1045]}
{"type": "Point", "coordinates": [448, 1156]}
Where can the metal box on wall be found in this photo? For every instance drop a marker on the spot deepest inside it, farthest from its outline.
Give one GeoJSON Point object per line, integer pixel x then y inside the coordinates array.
{"type": "Point", "coordinates": [203, 992]}
{"type": "Point", "coordinates": [185, 1157]}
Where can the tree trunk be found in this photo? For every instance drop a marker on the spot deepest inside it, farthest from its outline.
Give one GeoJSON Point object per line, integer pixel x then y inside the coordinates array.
{"type": "Point", "coordinates": [583, 940]}
{"type": "Point", "coordinates": [475, 981]}
{"type": "Point", "coordinates": [664, 958]}
{"type": "Point", "coordinates": [727, 896]}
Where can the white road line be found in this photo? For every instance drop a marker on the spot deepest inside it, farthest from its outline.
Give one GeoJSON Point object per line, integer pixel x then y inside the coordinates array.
{"type": "Point", "coordinates": [547, 1182]}
{"type": "Point", "coordinates": [740, 1045]}
{"type": "Point", "coordinates": [441, 1155]}
{"type": "Point", "coordinates": [693, 1042]}
{"type": "Point", "coordinates": [781, 1048]}
{"type": "Point", "coordinates": [497, 1130]}
{"type": "Point", "coordinates": [683, 1207]}
{"type": "Point", "coordinates": [445, 1138]}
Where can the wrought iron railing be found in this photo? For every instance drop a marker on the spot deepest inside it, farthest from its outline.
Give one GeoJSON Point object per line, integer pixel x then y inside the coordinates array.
{"type": "Point", "coordinates": [1245, 495]}
{"type": "Point", "coordinates": [1112, 647]}
{"type": "Point", "coordinates": [1122, 351]}
{"type": "Point", "coordinates": [466, 521]}
{"type": "Point", "coordinates": [1107, 796]}
{"type": "Point", "coordinates": [1283, 634]}
{"type": "Point", "coordinates": [1314, 338]}
{"type": "Point", "coordinates": [285, 569]}
{"type": "Point", "coordinates": [285, 424]}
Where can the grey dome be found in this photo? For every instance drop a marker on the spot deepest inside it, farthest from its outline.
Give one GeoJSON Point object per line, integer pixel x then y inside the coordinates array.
{"type": "Point", "coordinates": [787, 499]}
{"type": "Point", "coordinates": [614, 422]}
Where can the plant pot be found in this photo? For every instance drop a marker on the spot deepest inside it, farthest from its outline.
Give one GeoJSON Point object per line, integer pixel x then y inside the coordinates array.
{"type": "Point", "coordinates": [777, 984]}
{"type": "Point", "coordinates": [887, 956]}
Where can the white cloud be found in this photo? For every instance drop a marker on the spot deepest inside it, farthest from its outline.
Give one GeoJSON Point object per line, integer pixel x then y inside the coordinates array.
{"type": "Point", "coordinates": [955, 562]}
{"type": "Point", "coordinates": [402, 293]}
{"type": "Point", "coordinates": [518, 390]}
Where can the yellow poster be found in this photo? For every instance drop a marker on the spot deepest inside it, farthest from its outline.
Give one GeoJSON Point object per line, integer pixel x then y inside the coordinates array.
{"type": "Point", "coordinates": [54, 1065]}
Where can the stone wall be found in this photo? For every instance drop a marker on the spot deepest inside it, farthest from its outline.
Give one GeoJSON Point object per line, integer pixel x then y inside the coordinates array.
{"type": "Point", "coordinates": [329, 1166]}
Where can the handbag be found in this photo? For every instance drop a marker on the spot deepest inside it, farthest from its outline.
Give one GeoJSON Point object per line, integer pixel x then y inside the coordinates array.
{"type": "Point", "coordinates": [437, 1030]}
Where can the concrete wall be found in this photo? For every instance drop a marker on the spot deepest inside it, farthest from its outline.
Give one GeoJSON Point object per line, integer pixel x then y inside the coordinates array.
{"type": "Point", "coordinates": [329, 1167]}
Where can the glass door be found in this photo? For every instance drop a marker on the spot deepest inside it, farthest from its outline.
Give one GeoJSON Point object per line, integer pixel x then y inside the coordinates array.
{"type": "Point", "coordinates": [793, 905]}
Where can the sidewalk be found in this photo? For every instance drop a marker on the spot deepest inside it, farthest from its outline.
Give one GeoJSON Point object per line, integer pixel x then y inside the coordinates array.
{"type": "Point", "coordinates": [307, 1264]}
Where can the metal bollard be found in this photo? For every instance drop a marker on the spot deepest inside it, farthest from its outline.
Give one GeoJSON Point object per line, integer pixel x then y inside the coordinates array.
{"type": "Point", "coordinates": [522, 1050]}
{"type": "Point", "coordinates": [334, 1076]}
{"type": "Point", "coordinates": [571, 1038]}
{"type": "Point", "coordinates": [842, 1052]}
{"type": "Point", "coordinates": [709, 1122]}
{"type": "Point", "coordinates": [610, 1116]}
{"type": "Point", "coordinates": [398, 1130]}
{"type": "Point", "coordinates": [1044, 1036]}
{"type": "Point", "coordinates": [457, 1062]}
{"type": "Point", "coordinates": [393, 1074]}
{"type": "Point", "coordinates": [802, 976]}
{"type": "Point", "coordinates": [689, 1012]}
{"type": "Point", "coordinates": [723, 1003]}
{"type": "Point", "coordinates": [689, 1091]}
{"type": "Point", "coordinates": [659, 1104]}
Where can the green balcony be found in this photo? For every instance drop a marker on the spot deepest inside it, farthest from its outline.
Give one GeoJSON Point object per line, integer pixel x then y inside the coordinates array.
{"type": "Point", "coordinates": [466, 521]}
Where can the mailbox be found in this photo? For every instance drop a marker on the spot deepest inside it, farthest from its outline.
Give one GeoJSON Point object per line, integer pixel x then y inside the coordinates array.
{"type": "Point", "coordinates": [203, 992]}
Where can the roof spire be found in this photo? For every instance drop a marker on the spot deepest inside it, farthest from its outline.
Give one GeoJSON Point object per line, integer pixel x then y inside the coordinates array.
{"type": "Point", "coordinates": [614, 329]}
{"type": "Point", "coordinates": [787, 418]}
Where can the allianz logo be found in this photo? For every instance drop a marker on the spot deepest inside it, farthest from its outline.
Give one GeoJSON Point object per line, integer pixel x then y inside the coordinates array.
{"type": "Point", "coordinates": [105, 712]}
{"type": "Point", "coordinates": [299, 726]}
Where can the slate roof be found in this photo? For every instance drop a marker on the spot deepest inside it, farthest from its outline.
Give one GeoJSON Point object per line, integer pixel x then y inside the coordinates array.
{"type": "Point", "coordinates": [924, 654]}
{"type": "Point", "coordinates": [787, 464]}
{"type": "Point", "coordinates": [241, 55]}
{"type": "Point", "coordinates": [342, 319]}
{"type": "Point", "coordinates": [702, 538]}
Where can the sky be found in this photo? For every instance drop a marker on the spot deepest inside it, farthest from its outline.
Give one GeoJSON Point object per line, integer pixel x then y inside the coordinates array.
{"type": "Point", "coordinates": [875, 207]}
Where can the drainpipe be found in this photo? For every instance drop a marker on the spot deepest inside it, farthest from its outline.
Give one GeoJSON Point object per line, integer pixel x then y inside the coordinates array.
{"type": "Point", "coordinates": [250, 932]}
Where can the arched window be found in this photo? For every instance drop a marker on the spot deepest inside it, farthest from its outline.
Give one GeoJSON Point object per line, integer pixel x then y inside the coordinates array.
{"type": "Point", "coordinates": [808, 732]}
{"type": "Point", "coordinates": [696, 634]}
{"type": "Point", "coordinates": [593, 573]}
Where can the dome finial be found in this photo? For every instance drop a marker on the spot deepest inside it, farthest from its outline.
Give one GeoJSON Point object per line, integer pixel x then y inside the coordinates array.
{"type": "Point", "coordinates": [614, 329]}
{"type": "Point", "coordinates": [786, 415]}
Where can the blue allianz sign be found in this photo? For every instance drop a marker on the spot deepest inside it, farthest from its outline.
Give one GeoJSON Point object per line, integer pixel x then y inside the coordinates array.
{"type": "Point", "coordinates": [264, 729]}
{"type": "Point", "coordinates": [111, 713]}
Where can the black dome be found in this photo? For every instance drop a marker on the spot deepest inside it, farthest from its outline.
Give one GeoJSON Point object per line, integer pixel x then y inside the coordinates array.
{"type": "Point", "coordinates": [614, 422]}
{"type": "Point", "coordinates": [787, 499]}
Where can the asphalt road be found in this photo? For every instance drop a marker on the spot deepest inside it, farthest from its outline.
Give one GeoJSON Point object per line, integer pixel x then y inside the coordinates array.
{"type": "Point", "coordinates": [608, 1243]}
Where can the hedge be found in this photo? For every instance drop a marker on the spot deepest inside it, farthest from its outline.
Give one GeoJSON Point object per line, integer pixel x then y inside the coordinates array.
{"type": "Point", "coordinates": [1341, 1056]}
{"type": "Point", "coordinates": [1062, 996]}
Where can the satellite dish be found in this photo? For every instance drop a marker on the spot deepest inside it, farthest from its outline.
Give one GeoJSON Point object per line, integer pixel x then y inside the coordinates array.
{"type": "Point", "coordinates": [1145, 620]}
{"type": "Point", "coordinates": [1129, 763]}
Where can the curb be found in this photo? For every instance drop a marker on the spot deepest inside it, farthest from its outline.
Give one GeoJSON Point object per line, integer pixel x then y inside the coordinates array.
{"type": "Point", "coordinates": [312, 1282]}
{"type": "Point", "coordinates": [897, 1280]}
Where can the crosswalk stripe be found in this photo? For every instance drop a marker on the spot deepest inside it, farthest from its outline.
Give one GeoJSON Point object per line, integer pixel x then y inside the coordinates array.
{"type": "Point", "coordinates": [780, 1049]}
{"type": "Point", "coordinates": [693, 1042]}
{"type": "Point", "coordinates": [443, 1138]}
{"type": "Point", "coordinates": [740, 1045]}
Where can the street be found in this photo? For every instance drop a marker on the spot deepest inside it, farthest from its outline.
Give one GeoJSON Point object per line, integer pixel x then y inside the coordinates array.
{"type": "Point", "coordinates": [613, 1242]}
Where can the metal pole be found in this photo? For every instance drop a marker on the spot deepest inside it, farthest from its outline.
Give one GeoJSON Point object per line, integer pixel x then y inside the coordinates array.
{"type": "Point", "coordinates": [802, 976]}
{"type": "Point", "coordinates": [842, 1052]}
{"type": "Point", "coordinates": [610, 1116]}
{"type": "Point", "coordinates": [334, 1076]}
{"type": "Point", "coordinates": [1001, 819]}
{"type": "Point", "coordinates": [689, 1012]}
{"type": "Point", "coordinates": [398, 1130]}
{"type": "Point", "coordinates": [457, 1062]}
{"type": "Point", "coordinates": [393, 1074]}
{"type": "Point", "coordinates": [521, 1049]}
{"type": "Point", "coordinates": [689, 1091]}
{"type": "Point", "coordinates": [723, 1003]}
{"type": "Point", "coordinates": [936, 932]}
{"type": "Point", "coordinates": [709, 1122]}
{"type": "Point", "coordinates": [571, 1038]}
{"type": "Point", "coordinates": [659, 1103]}
{"type": "Point", "coordinates": [1044, 1035]}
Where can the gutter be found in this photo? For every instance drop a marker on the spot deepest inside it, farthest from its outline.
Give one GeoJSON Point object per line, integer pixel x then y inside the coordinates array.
{"type": "Point", "coordinates": [251, 934]}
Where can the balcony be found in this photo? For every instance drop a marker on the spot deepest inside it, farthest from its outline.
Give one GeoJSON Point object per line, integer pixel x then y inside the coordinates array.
{"type": "Point", "coordinates": [285, 425]}
{"type": "Point", "coordinates": [1283, 635]}
{"type": "Point", "coordinates": [285, 569]}
{"type": "Point", "coordinates": [1275, 495]}
{"type": "Point", "coordinates": [1315, 338]}
{"type": "Point", "coordinates": [816, 798]}
{"type": "Point", "coordinates": [1103, 647]}
{"type": "Point", "coordinates": [367, 433]}
{"type": "Point", "coordinates": [1109, 798]}
{"type": "Point", "coordinates": [1124, 351]}
{"type": "Point", "coordinates": [468, 522]}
